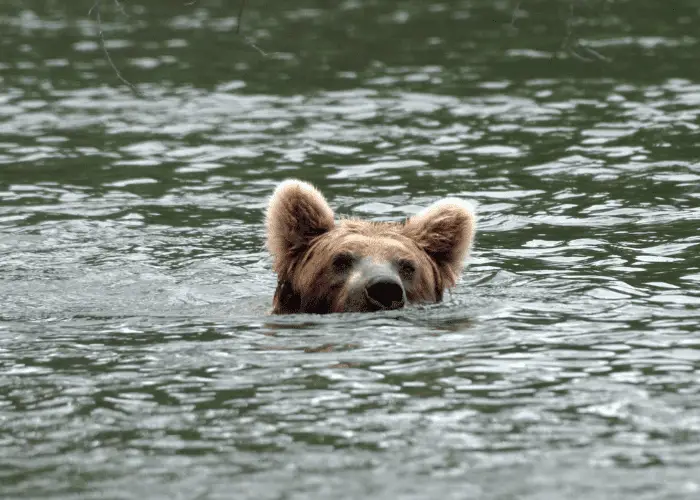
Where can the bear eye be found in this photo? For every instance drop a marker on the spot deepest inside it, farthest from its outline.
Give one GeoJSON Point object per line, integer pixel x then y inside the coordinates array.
{"type": "Point", "coordinates": [406, 268]}
{"type": "Point", "coordinates": [343, 261]}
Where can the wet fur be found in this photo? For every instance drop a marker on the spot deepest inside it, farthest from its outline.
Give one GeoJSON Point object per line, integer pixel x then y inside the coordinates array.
{"type": "Point", "coordinates": [303, 239]}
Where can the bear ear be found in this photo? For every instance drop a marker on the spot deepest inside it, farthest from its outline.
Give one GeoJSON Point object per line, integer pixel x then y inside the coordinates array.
{"type": "Point", "coordinates": [445, 231]}
{"type": "Point", "coordinates": [296, 214]}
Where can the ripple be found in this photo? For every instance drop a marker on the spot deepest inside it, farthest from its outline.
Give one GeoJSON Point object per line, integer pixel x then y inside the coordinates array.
{"type": "Point", "coordinates": [137, 357]}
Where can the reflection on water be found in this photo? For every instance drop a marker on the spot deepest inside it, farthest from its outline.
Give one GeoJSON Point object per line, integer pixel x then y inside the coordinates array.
{"type": "Point", "coordinates": [136, 354]}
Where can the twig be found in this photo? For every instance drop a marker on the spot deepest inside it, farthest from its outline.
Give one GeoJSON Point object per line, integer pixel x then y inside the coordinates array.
{"type": "Point", "coordinates": [569, 27]}
{"type": "Point", "coordinates": [515, 14]}
{"type": "Point", "coordinates": [246, 39]}
{"type": "Point", "coordinates": [98, 17]}
{"type": "Point", "coordinates": [240, 16]}
{"type": "Point", "coordinates": [121, 8]}
{"type": "Point", "coordinates": [572, 43]}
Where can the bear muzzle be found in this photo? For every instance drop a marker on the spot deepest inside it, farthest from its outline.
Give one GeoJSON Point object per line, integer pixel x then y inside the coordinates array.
{"type": "Point", "coordinates": [375, 287]}
{"type": "Point", "coordinates": [385, 293]}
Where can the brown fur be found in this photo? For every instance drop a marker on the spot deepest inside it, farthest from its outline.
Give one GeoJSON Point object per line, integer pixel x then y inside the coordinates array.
{"type": "Point", "coordinates": [425, 253]}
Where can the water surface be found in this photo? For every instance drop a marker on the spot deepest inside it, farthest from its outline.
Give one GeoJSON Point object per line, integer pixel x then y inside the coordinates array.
{"type": "Point", "coordinates": [137, 359]}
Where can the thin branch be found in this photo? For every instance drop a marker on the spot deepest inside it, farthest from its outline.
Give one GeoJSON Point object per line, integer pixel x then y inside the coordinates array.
{"type": "Point", "coordinates": [96, 8]}
{"type": "Point", "coordinates": [247, 40]}
{"type": "Point", "coordinates": [121, 8]}
{"type": "Point", "coordinates": [240, 16]}
{"type": "Point", "coordinates": [572, 43]}
{"type": "Point", "coordinates": [569, 27]}
{"type": "Point", "coordinates": [514, 17]}
{"type": "Point", "coordinates": [591, 53]}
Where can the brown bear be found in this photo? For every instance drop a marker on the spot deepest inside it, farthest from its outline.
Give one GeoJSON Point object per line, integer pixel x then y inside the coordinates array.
{"type": "Point", "coordinates": [351, 265]}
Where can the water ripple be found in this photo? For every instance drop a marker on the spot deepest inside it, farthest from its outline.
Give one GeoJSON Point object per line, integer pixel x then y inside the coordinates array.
{"type": "Point", "coordinates": [137, 358]}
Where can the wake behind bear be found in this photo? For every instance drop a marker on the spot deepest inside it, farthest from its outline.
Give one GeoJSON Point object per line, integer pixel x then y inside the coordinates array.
{"type": "Point", "coordinates": [350, 265]}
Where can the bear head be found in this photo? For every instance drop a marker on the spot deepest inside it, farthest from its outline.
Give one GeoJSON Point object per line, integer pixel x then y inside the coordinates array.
{"type": "Point", "coordinates": [351, 265]}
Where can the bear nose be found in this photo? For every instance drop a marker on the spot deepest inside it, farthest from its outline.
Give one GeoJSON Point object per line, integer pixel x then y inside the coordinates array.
{"type": "Point", "coordinates": [385, 293]}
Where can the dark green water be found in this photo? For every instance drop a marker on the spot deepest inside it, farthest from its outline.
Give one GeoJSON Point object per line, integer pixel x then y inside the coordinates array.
{"type": "Point", "coordinates": [136, 357]}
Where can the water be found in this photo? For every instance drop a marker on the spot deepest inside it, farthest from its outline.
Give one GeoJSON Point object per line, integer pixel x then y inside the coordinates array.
{"type": "Point", "coordinates": [136, 356]}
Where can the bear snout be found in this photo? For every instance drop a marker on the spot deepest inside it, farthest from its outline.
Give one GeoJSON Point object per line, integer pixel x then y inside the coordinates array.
{"type": "Point", "coordinates": [373, 286]}
{"type": "Point", "coordinates": [385, 292]}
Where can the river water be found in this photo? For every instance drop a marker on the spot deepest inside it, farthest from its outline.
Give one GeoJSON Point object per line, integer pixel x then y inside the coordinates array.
{"type": "Point", "coordinates": [137, 359]}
